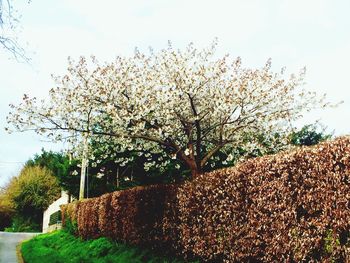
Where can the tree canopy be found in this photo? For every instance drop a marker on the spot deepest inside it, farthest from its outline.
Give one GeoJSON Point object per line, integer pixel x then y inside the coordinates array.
{"type": "Point", "coordinates": [184, 104]}
{"type": "Point", "coordinates": [30, 193]}
{"type": "Point", "coordinates": [6, 209]}
{"type": "Point", "coordinates": [309, 135]}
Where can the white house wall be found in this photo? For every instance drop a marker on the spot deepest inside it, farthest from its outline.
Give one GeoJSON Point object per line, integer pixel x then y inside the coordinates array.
{"type": "Point", "coordinates": [55, 206]}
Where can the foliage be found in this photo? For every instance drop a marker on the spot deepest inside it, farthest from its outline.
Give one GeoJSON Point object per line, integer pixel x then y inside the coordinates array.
{"type": "Point", "coordinates": [330, 240]}
{"type": "Point", "coordinates": [24, 223]}
{"type": "Point", "coordinates": [61, 166]}
{"type": "Point", "coordinates": [69, 217]}
{"type": "Point", "coordinates": [60, 247]}
{"type": "Point", "coordinates": [30, 193]}
{"type": "Point", "coordinates": [58, 163]}
{"type": "Point", "coordinates": [309, 135]}
{"type": "Point", "coordinates": [106, 176]}
{"type": "Point", "coordinates": [34, 189]}
{"type": "Point", "coordinates": [6, 210]}
{"type": "Point", "coordinates": [71, 226]}
{"type": "Point", "coordinates": [183, 104]}
{"type": "Point", "coordinates": [136, 216]}
{"type": "Point", "coordinates": [272, 208]}
{"type": "Point", "coordinates": [109, 175]}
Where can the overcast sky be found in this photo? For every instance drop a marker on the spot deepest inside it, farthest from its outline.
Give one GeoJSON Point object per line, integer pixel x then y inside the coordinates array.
{"type": "Point", "coordinates": [294, 33]}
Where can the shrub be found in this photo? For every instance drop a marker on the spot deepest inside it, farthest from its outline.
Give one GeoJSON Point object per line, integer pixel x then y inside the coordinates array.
{"type": "Point", "coordinates": [141, 215]}
{"type": "Point", "coordinates": [274, 208]}
{"type": "Point", "coordinates": [6, 209]}
{"type": "Point", "coordinates": [309, 135]}
{"type": "Point", "coordinates": [22, 224]}
{"type": "Point", "coordinates": [293, 206]}
{"type": "Point", "coordinates": [29, 194]}
{"type": "Point", "coordinates": [69, 217]}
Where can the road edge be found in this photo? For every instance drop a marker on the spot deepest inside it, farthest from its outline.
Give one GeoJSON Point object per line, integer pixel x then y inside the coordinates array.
{"type": "Point", "coordinates": [19, 253]}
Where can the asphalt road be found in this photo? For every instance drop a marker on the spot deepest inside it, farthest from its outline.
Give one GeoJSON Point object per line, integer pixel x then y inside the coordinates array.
{"type": "Point", "coordinates": [8, 243]}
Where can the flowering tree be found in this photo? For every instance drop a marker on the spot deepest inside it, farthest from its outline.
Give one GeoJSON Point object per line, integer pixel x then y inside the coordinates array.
{"type": "Point", "coordinates": [184, 104]}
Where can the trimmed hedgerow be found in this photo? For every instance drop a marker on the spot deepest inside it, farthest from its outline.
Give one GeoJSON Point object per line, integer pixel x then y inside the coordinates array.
{"type": "Point", "coordinates": [69, 217]}
{"type": "Point", "coordinates": [141, 215]}
{"type": "Point", "coordinates": [290, 207]}
{"type": "Point", "coordinates": [274, 208]}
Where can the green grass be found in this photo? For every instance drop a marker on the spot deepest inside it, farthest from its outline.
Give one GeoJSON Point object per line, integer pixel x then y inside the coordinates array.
{"type": "Point", "coordinates": [60, 246]}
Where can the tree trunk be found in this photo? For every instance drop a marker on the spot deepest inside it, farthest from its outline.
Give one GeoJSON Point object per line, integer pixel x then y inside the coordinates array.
{"type": "Point", "coordinates": [195, 170]}
{"type": "Point", "coordinates": [194, 173]}
{"type": "Point", "coordinates": [84, 165]}
{"type": "Point", "coordinates": [118, 177]}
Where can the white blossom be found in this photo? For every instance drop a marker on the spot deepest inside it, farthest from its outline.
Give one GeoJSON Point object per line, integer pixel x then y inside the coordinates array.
{"type": "Point", "coordinates": [183, 103]}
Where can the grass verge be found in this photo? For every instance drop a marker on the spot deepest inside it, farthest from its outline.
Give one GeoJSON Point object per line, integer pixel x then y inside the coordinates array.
{"type": "Point", "coordinates": [60, 246]}
{"type": "Point", "coordinates": [18, 253]}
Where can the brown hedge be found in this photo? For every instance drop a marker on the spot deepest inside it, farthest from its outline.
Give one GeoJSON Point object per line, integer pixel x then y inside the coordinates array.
{"type": "Point", "coordinates": [290, 207]}
{"type": "Point", "coordinates": [141, 215]}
